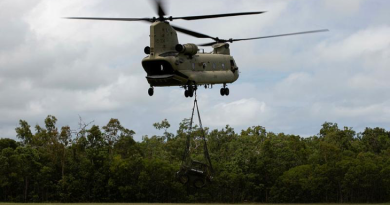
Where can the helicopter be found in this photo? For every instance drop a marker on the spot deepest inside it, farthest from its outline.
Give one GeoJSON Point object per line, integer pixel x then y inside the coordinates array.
{"type": "Point", "coordinates": [169, 63]}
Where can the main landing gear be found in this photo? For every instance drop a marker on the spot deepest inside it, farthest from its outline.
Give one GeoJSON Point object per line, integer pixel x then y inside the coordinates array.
{"type": "Point", "coordinates": [189, 91]}
{"type": "Point", "coordinates": [224, 90]}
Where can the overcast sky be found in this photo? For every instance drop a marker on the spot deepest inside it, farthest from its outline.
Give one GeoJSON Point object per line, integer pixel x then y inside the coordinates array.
{"type": "Point", "coordinates": [92, 69]}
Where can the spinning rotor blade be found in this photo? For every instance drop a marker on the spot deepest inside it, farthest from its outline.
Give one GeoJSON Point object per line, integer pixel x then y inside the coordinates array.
{"type": "Point", "coordinates": [246, 39]}
{"type": "Point", "coordinates": [192, 33]}
{"type": "Point", "coordinates": [160, 9]}
{"type": "Point", "coordinates": [161, 14]}
{"type": "Point", "coordinates": [207, 44]}
{"type": "Point", "coordinates": [159, 5]}
{"type": "Point", "coordinates": [112, 19]}
{"type": "Point", "coordinates": [288, 34]}
{"type": "Point", "coordinates": [190, 18]}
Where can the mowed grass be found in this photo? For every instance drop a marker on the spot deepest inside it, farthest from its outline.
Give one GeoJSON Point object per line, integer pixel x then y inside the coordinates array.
{"type": "Point", "coordinates": [177, 204]}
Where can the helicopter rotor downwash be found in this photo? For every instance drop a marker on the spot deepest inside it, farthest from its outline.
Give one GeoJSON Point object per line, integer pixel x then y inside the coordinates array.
{"type": "Point", "coordinates": [169, 63]}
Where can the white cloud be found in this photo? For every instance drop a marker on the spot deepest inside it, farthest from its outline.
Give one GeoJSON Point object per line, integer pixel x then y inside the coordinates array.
{"type": "Point", "coordinates": [368, 82]}
{"type": "Point", "coordinates": [360, 44]}
{"type": "Point", "coordinates": [236, 114]}
{"type": "Point", "coordinates": [49, 65]}
{"type": "Point", "coordinates": [344, 6]}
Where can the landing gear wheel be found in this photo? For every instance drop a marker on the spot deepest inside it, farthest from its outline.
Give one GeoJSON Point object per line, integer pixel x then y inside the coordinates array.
{"type": "Point", "coordinates": [186, 93]}
{"type": "Point", "coordinates": [190, 91]}
{"type": "Point", "coordinates": [199, 183]}
{"type": "Point", "coordinates": [222, 91]}
{"type": "Point", "coordinates": [150, 91]}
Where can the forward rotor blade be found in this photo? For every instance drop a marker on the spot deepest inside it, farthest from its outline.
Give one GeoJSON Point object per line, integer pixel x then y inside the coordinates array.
{"type": "Point", "coordinates": [112, 19]}
{"type": "Point", "coordinates": [288, 34]}
{"type": "Point", "coordinates": [192, 33]}
{"type": "Point", "coordinates": [160, 8]}
{"type": "Point", "coordinates": [189, 18]}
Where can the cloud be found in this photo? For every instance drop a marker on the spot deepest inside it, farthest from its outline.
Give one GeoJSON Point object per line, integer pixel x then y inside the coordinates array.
{"type": "Point", "coordinates": [361, 44]}
{"type": "Point", "coordinates": [236, 114]}
{"type": "Point", "coordinates": [345, 6]}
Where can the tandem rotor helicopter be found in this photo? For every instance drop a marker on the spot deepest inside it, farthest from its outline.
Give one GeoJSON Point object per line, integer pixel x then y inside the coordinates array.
{"type": "Point", "coordinates": [172, 64]}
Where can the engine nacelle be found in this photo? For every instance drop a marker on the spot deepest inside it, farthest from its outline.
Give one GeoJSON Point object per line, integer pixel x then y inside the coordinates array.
{"type": "Point", "coordinates": [187, 49]}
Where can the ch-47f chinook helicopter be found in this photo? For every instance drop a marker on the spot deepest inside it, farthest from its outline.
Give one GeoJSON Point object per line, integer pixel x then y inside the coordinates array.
{"type": "Point", "coordinates": [172, 64]}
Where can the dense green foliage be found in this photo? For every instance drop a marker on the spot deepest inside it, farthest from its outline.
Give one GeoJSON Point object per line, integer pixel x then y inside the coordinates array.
{"type": "Point", "coordinates": [105, 164]}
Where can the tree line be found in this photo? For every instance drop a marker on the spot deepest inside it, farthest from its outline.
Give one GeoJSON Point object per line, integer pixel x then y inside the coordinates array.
{"type": "Point", "coordinates": [105, 164]}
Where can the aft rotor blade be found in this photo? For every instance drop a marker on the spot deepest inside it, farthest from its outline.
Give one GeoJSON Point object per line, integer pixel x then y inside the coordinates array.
{"type": "Point", "coordinates": [207, 44]}
{"type": "Point", "coordinates": [189, 18]}
{"type": "Point", "coordinates": [112, 19]}
{"type": "Point", "coordinates": [192, 33]}
{"type": "Point", "coordinates": [287, 34]}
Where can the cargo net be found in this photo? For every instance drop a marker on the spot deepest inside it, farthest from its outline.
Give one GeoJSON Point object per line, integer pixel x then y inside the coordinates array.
{"type": "Point", "coordinates": [195, 172]}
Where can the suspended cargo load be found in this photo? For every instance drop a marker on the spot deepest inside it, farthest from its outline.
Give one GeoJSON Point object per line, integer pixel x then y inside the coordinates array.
{"type": "Point", "coordinates": [193, 172]}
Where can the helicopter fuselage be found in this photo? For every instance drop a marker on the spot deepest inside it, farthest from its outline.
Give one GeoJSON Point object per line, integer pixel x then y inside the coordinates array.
{"type": "Point", "coordinates": [199, 69]}
{"type": "Point", "coordinates": [172, 64]}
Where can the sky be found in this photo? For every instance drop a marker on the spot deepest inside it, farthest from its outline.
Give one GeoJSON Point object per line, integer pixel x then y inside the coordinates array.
{"type": "Point", "coordinates": [92, 69]}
